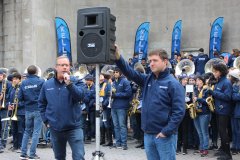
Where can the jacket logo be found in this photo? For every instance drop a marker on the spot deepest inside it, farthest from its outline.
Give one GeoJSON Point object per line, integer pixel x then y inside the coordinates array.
{"type": "Point", "coordinates": [30, 86]}
{"type": "Point", "coordinates": [48, 89]}
{"type": "Point", "coordinates": [164, 87]}
{"type": "Point", "coordinates": [149, 85]}
{"type": "Point", "coordinates": [219, 89]}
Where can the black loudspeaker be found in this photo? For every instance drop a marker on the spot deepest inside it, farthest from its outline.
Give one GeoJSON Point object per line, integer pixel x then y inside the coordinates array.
{"type": "Point", "coordinates": [95, 36]}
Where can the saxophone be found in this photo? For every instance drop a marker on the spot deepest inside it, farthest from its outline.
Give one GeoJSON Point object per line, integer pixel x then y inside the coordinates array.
{"type": "Point", "coordinates": [135, 103]}
{"type": "Point", "coordinates": [210, 101]}
{"type": "Point", "coordinates": [192, 108]}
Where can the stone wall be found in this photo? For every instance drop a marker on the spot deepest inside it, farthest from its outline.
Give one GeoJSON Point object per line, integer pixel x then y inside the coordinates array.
{"type": "Point", "coordinates": [30, 38]}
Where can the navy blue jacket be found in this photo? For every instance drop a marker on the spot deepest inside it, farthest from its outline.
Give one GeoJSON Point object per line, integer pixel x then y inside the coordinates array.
{"type": "Point", "coordinates": [236, 99]}
{"type": "Point", "coordinates": [60, 104]}
{"type": "Point", "coordinates": [222, 94]}
{"type": "Point", "coordinates": [200, 62]}
{"type": "Point", "coordinates": [231, 60]}
{"type": "Point", "coordinates": [163, 105]}
{"type": "Point", "coordinates": [21, 108]}
{"type": "Point", "coordinates": [123, 94]}
{"type": "Point", "coordinates": [89, 98]}
{"type": "Point", "coordinates": [29, 92]}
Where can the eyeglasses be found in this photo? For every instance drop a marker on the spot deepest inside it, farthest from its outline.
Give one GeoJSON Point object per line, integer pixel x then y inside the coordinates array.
{"type": "Point", "coordinates": [115, 72]}
{"type": "Point", "coordinates": [62, 65]}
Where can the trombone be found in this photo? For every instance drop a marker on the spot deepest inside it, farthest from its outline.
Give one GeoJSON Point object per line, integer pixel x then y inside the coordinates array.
{"type": "Point", "coordinates": [14, 114]}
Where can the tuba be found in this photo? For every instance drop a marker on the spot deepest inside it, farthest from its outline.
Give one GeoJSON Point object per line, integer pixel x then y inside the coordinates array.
{"type": "Point", "coordinates": [81, 72]}
{"type": "Point", "coordinates": [49, 73]}
{"type": "Point", "coordinates": [209, 65]}
{"type": "Point", "coordinates": [185, 66]}
{"type": "Point", "coordinates": [236, 63]}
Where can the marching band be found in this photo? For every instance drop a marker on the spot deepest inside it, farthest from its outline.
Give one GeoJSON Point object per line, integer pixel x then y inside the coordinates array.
{"type": "Point", "coordinates": [212, 96]}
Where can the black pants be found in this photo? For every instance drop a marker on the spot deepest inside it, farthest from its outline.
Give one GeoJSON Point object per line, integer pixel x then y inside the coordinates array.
{"type": "Point", "coordinates": [183, 132]}
{"type": "Point", "coordinates": [223, 121]}
{"type": "Point", "coordinates": [214, 129]}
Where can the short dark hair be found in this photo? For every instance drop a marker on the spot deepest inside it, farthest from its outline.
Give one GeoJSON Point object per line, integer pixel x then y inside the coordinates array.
{"type": "Point", "coordinates": [16, 75]}
{"type": "Point", "coordinates": [201, 50]}
{"type": "Point", "coordinates": [159, 52]}
{"type": "Point", "coordinates": [32, 69]}
{"type": "Point", "coordinates": [222, 68]}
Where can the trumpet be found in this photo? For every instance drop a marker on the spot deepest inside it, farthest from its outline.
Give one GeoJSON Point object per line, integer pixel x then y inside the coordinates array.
{"type": "Point", "coordinates": [210, 104]}
{"type": "Point", "coordinates": [4, 88]}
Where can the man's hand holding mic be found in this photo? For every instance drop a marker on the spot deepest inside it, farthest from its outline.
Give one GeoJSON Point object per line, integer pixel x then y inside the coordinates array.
{"type": "Point", "coordinates": [66, 78]}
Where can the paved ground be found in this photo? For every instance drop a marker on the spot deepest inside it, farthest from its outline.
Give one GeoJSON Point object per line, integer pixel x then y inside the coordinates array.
{"type": "Point", "coordinates": [110, 154]}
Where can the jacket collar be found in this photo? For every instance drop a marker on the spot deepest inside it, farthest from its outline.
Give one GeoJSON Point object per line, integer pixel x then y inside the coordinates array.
{"type": "Point", "coordinates": [161, 75]}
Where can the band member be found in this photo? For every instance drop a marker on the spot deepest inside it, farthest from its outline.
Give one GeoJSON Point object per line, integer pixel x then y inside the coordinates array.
{"type": "Point", "coordinates": [200, 62]}
{"type": "Point", "coordinates": [121, 96]}
{"type": "Point", "coordinates": [5, 88]}
{"type": "Point", "coordinates": [183, 128]}
{"type": "Point", "coordinates": [232, 57]}
{"type": "Point", "coordinates": [89, 100]}
{"type": "Point", "coordinates": [105, 121]}
{"type": "Point", "coordinates": [202, 120]}
{"type": "Point", "coordinates": [61, 112]}
{"type": "Point", "coordinates": [163, 105]}
{"type": "Point", "coordinates": [29, 93]}
{"type": "Point", "coordinates": [18, 110]}
{"type": "Point", "coordinates": [235, 79]}
{"type": "Point", "coordinates": [222, 100]}
{"type": "Point", "coordinates": [213, 129]}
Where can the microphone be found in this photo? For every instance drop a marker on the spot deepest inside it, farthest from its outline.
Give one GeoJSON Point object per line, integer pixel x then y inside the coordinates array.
{"type": "Point", "coordinates": [65, 76]}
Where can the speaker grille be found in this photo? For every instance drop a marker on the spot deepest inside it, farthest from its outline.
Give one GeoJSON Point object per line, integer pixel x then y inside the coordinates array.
{"type": "Point", "coordinates": [91, 45]}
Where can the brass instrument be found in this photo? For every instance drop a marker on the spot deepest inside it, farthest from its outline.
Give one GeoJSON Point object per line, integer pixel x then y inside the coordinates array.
{"type": "Point", "coordinates": [4, 89]}
{"type": "Point", "coordinates": [236, 63]}
{"type": "Point", "coordinates": [210, 104]}
{"type": "Point", "coordinates": [49, 73]}
{"type": "Point", "coordinates": [209, 65]}
{"type": "Point", "coordinates": [185, 66]}
{"type": "Point", "coordinates": [81, 71]}
{"type": "Point", "coordinates": [192, 110]}
{"type": "Point", "coordinates": [14, 116]}
{"type": "Point", "coordinates": [135, 103]}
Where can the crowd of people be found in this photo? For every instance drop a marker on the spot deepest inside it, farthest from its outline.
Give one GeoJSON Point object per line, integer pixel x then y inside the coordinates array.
{"type": "Point", "coordinates": [169, 112]}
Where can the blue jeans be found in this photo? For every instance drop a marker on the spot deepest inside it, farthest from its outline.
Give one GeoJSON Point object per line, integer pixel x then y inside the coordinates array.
{"type": "Point", "coordinates": [119, 117]}
{"type": "Point", "coordinates": [75, 139]}
{"type": "Point", "coordinates": [33, 125]}
{"type": "Point", "coordinates": [160, 148]}
{"type": "Point", "coordinates": [201, 123]}
{"type": "Point", "coordinates": [235, 133]}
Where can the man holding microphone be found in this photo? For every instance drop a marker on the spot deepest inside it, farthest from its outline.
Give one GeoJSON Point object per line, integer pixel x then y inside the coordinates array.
{"type": "Point", "coordinates": [59, 102]}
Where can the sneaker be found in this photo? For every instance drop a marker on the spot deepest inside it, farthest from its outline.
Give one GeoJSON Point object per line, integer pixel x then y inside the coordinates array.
{"type": "Point", "coordinates": [34, 157]}
{"type": "Point", "coordinates": [18, 150]}
{"type": "Point", "coordinates": [204, 153]}
{"type": "Point", "coordinates": [1, 150]}
{"type": "Point", "coordinates": [184, 152]}
{"type": "Point", "coordinates": [24, 157]}
{"type": "Point", "coordinates": [124, 147]}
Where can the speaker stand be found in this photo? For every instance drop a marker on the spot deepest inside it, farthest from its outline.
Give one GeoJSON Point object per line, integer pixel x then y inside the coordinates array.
{"type": "Point", "coordinates": [97, 155]}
